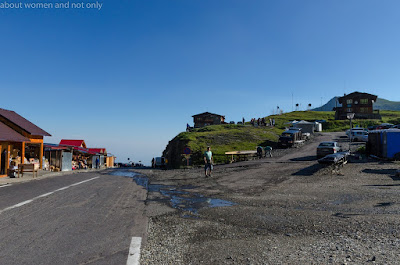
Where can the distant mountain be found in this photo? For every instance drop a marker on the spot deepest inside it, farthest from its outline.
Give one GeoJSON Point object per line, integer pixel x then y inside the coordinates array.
{"type": "Point", "coordinates": [329, 105]}
{"type": "Point", "coordinates": [384, 104]}
{"type": "Point", "coordinates": [381, 104]}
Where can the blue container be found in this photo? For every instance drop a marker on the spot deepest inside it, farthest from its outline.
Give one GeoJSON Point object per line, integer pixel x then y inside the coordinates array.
{"type": "Point", "coordinates": [385, 143]}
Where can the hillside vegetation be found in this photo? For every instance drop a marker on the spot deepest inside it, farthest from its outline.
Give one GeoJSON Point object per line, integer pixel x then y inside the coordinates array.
{"type": "Point", "coordinates": [229, 137]}
{"type": "Point", "coordinates": [222, 138]}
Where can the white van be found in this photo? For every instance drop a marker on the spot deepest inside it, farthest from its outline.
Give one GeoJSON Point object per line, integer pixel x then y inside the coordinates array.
{"type": "Point", "coordinates": [359, 136]}
{"type": "Point", "coordinates": [159, 162]}
{"type": "Point", "coordinates": [357, 129]}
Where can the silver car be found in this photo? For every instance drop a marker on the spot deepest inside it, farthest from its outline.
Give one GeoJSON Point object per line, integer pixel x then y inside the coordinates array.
{"type": "Point", "coordinates": [326, 148]}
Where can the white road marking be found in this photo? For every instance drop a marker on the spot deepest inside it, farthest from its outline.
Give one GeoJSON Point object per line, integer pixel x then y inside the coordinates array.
{"type": "Point", "coordinates": [44, 195]}
{"type": "Point", "coordinates": [134, 251]}
{"type": "Point", "coordinates": [6, 185]}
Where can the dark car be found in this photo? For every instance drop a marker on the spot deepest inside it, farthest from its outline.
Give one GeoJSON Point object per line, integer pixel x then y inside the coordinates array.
{"type": "Point", "coordinates": [290, 138]}
{"type": "Point", "coordinates": [326, 148]}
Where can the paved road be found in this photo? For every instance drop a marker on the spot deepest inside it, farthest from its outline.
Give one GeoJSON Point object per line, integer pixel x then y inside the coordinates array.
{"type": "Point", "coordinates": [87, 218]}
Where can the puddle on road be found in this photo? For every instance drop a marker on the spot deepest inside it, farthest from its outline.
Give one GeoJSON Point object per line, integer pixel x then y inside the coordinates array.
{"type": "Point", "coordinates": [188, 202]}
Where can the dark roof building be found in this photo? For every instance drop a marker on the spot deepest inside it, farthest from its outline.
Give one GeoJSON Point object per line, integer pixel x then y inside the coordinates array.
{"type": "Point", "coordinates": [207, 118]}
{"type": "Point", "coordinates": [13, 119]}
{"type": "Point", "coordinates": [9, 135]}
{"type": "Point", "coordinates": [20, 136]}
{"type": "Point", "coordinates": [361, 104]}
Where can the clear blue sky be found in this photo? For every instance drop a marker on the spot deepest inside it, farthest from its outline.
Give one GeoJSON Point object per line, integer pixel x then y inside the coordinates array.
{"type": "Point", "coordinates": [130, 76]}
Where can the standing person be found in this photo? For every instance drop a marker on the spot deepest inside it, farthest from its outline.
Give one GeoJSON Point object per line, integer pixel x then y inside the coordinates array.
{"type": "Point", "coordinates": [208, 160]}
{"type": "Point", "coordinates": [97, 162]}
{"type": "Point", "coordinates": [243, 120]}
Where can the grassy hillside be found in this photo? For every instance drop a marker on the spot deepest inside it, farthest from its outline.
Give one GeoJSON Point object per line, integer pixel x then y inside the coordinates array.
{"type": "Point", "coordinates": [223, 138]}
{"type": "Point", "coordinates": [332, 125]}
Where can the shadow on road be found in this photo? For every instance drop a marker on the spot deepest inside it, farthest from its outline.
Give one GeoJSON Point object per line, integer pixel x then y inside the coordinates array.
{"type": "Point", "coordinates": [304, 158]}
{"type": "Point", "coordinates": [382, 171]}
{"type": "Point", "coordinates": [308, 171]}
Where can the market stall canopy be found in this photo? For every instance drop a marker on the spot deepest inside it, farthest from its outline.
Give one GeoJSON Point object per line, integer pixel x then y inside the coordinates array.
{"type": "Point", "coordinates": [9, 135]}
{"type": "Point", "coordinates": [76, 143]}
{"type": "Point", "coordinates": [48, 147]}
{"type": "Point", "coordinates": [98, 150]}
{"type": "Point", "coordinates": [23, 123]}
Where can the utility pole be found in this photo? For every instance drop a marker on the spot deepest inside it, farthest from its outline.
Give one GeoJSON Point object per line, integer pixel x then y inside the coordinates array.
{"type": "Point", "coordinates": [292, 101]}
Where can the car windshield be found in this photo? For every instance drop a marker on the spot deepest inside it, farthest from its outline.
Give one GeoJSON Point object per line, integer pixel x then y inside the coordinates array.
{"type": "Point", "coordinates": [326, 144]}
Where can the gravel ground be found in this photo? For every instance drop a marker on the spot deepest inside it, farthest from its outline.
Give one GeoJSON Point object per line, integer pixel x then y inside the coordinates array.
{"type": "Point", "coordinates": [288, 210]}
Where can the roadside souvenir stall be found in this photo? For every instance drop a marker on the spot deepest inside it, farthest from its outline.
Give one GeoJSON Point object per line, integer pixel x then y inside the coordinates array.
{"type": "Point", "coordinates": [10, 156]}
{"type": "Point", "coordinates": [57, 158]}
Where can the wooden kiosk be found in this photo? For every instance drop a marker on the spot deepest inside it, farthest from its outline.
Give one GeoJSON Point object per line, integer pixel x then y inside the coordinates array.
{"type": "Point", "coordinates": [31, 146]}
{"type": "Point", "coordinates": [8, 140]}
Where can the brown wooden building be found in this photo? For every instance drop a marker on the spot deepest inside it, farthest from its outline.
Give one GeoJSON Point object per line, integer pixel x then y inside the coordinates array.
{"type": "Point", "coordinates": [207, 118]}
{"type": "Point", "coordinates": [9, 140]}
{"type": "Point", "coordinates": [29, 146]}
{"type": "Point", "coordinates": [361, 104]}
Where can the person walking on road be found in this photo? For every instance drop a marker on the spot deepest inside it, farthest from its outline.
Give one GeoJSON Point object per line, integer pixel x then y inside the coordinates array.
{"type": "Point", "coordinates": [208, 160]}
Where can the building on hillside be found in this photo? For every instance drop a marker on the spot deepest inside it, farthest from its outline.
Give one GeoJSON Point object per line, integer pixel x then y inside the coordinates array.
{"type": "Point", "coordinates": [207, 118]}
{"type": "Point", "coordinates": [361, 104]}
{"type": "Point", "coordinates": [22, 151]}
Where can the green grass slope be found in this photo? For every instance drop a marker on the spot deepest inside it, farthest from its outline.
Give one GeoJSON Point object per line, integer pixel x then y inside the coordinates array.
{"type": "Point", "coordinates": [221, 138]}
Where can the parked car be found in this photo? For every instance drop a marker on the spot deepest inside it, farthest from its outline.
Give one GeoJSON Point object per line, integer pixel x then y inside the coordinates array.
{"type": "Point", "coordinates": [359, 136]}
{"type": "Point", "coordinates": [326, 148]}
{"type": "Point", "coordinates": [290, 138]}
{"type": "Point", "coordinates": [384, 126]}
{"type": "Point", "coordinates": [349, 131]}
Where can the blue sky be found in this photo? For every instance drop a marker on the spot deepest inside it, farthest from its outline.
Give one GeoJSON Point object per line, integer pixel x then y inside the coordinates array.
{"type": "Point", "coordinates": [129, 77]}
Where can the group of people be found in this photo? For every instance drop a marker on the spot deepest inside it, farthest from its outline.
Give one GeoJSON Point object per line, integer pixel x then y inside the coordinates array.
{"type": "Point", "coordinates": [267, 151]}
{"type": "Point", "coordinates": [208, 158]}
{"type": "Point", "coordinates": [262, 122]}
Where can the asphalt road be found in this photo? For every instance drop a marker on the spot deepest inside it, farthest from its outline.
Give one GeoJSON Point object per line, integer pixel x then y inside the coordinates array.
{"type": "Point", "coordinates": [87, 218]}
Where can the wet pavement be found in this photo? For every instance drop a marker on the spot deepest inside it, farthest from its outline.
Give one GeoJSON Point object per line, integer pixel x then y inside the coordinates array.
{"type": "Point", "coordinates": [177, 197]}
